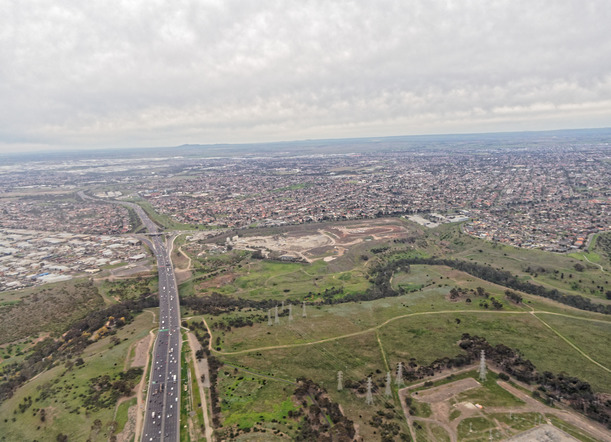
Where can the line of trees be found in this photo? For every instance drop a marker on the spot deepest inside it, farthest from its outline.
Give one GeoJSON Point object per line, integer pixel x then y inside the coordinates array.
{"type": "Point", "coordinates": [506, 279]}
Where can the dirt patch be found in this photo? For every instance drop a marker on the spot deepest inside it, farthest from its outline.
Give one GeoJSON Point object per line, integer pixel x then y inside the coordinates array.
{"type": "Point", "coordinates": [447, 391]}
{"type": "Point", "coordinates": [182, 276]}
{"type": "Point", "coordinates": [284, 242]}
{"type": "Point", "coordinates": [130, 271]}
{"type": "Point", "coordinates": [323, 240]}
{"type": "Point", "coordinates": [141, 352]}
{"type": "Point", "coordinates": [217, 281]}
{"type": "Point", "coordinates": [356, 234]}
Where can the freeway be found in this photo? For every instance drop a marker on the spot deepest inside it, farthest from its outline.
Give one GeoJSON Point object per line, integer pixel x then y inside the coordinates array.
{"type": "Point", "coordinates": [162, 415]}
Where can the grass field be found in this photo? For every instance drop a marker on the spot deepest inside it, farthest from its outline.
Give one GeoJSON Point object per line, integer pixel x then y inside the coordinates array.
{"type": "Point", "coordinates": [553, 270]}
{"type": "Point", "coordinates": [267, 279]}
{"type": "Point", "coordinates": [64, 391]}
{"type": "Point", "coordinates": [408, 337]}
{"type": "Point", "coordinates": [161, 219]}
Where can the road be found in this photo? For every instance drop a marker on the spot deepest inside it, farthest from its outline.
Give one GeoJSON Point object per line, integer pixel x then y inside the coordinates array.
{"type": "Point", "coordinates": [162, 415]}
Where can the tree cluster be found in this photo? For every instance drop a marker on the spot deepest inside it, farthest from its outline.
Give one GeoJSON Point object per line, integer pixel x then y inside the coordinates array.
{"type": "Point", "coordinates": [104, 391]}
{"type": "Point", "coordinates": [323, 420]}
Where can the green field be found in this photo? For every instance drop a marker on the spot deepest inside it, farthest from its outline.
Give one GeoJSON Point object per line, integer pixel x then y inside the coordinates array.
{"type": "Point", "coordinates": [553, 270]}
{"type": "Point", "coordinates": [61, 390]}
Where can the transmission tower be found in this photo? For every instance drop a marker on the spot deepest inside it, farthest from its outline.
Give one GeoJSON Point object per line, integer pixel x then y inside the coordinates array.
{"type": "Point", "coordinates": [388, 391]}
{"type": "Point", "coordinates": [399, 379]}
{"type": "Point", "coordinates": [303, 313]}
{"type": "Point", "coordinates": [369, 397]}
{"type": "Point", "coordinates": [269, 317]}
{"type": "Point", "coordinates": [482, 366]}
{"type": "Point", "coordinates": [290, 312]}
{"type": "Point", "coordinates": [276, 320]}
{"type": "Point", "coordinates": [340, 381]}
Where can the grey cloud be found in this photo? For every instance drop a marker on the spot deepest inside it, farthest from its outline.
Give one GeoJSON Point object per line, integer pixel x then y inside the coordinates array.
{"type": "Point", "coordinates": [129, 73]}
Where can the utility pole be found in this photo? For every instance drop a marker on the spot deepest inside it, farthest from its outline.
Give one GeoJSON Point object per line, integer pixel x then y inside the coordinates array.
{"type": "Point", "coordinates": [303, 313]}
{"type": "Point", "coordinates": [369, 397]}
{"type": "Point", "coordinates": [340, 381]}
{"type": "Point", "coordinates": [399, 379]}
{"type": "Point", "coordinates": [290, 312]}
{"type": "Point", "coordinates": [482, 366]}
{"type": "Point", "coordinates": [388, 391]}
{"type": "Point", "coordinates": [276, 320]}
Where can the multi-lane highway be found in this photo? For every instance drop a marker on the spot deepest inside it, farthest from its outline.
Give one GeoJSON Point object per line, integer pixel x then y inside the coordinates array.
{"type": "Point", "coordinates": [162, 415]}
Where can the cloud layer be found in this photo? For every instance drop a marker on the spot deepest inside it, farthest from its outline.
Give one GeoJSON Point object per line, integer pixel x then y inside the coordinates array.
{"type": "Point", "coordinates": [154, 73]}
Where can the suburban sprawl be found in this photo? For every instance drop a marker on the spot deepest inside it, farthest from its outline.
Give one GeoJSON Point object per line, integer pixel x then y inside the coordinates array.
{"type": "Point", "coordinates": [442, 288]}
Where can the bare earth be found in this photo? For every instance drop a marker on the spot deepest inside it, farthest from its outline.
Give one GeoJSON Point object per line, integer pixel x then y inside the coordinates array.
{"type": "Point", "coordinates": [440, 400]}
{"type": "Point", "coordinates": [445, 392]}
{"type": "Point", "coordinates": [141, 352]}
{"type": "Point", "coordinates": [310, 246]}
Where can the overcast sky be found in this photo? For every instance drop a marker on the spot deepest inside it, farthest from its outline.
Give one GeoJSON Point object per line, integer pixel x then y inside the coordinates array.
{"type": "Point", "coordinates": [83, 74]}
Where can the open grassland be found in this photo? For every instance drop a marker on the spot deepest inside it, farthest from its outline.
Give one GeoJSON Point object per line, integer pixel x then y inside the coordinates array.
{"type": "Point", "coordinates": [369, 338]}
{"type": "Point", "coordinates": [50, 308]}
{"type": "Point", "coordinates": [62, 391]}
{"type": "Point", "coordinates": [406, 335]}
{"type": "Point", "coordinates": [569, 273]}
{"type": "Point", "coordinates": [591, 337]}
{"type": "Point", "coordinates": [328, 321]}
{"type": "Point", "coordinates": [423, 337]}
{"type": "Point", "coordinates": [357, 358]}
{"type": "Point", "coordinates": [268, 279]}
{"type": "Point", "coordinates": [413, 337]}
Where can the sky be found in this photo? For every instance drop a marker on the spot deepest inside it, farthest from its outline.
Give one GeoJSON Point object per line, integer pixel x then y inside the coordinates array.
{"type": "Point", "coordinates": [95, 74]}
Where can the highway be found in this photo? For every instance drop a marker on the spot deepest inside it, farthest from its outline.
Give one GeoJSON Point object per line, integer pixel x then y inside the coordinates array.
{"type": "Point", "coordinates": [162, 415]}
